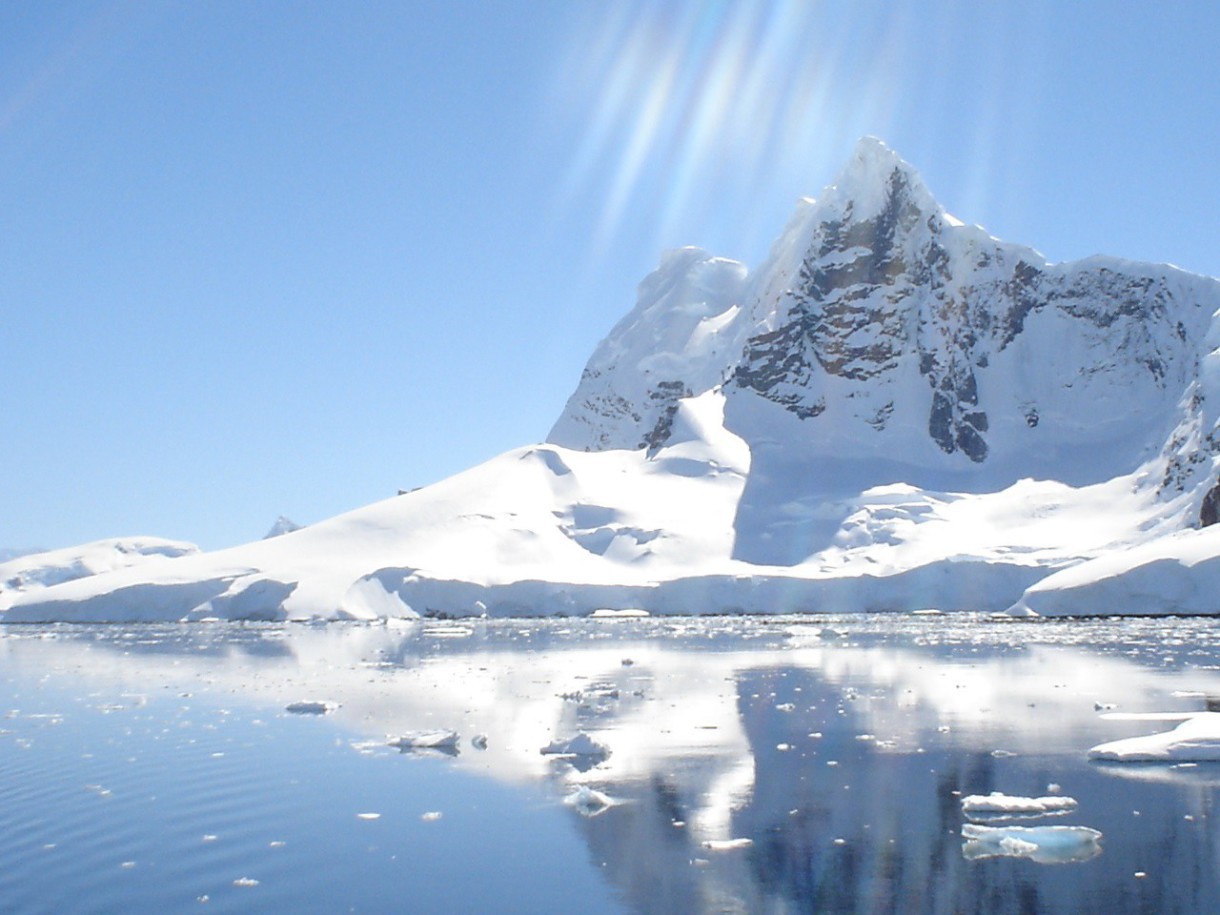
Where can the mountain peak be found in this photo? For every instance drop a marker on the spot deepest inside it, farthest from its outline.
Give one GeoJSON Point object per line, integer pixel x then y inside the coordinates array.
{"type": "Point", "coordinates": [872, 153]}
{"type": "Point", "coordinates": [282, 526]}
{"type": "Point", "coordinates": [881, 328]}
{"type": "Point", "coordinates": [873, 178]}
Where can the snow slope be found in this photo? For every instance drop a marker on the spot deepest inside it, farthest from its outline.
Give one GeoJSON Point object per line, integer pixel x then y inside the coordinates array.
{"type": "Point", "coordinates": [31, 573]}
{"type": "Point", "coordinates": [895, 411]}
{"type": "Point", "coordinates": [1175, 574]}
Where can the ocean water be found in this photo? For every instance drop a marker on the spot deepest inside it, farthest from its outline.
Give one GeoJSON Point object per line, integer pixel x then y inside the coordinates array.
{"type": "Point", "coordinates": [786, 764]}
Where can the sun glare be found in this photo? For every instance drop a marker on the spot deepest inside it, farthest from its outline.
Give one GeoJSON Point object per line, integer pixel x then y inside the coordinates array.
{"type": "Point", "coordinates": [744, 97]}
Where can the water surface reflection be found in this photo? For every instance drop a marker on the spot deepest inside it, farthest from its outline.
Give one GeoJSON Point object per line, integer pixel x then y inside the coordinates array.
{"type": "Point", "coordinates": [769, 765]}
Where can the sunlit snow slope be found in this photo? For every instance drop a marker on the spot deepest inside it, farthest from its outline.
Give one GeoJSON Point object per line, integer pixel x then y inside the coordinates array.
{"type": "Point", "coordinates": [894, 411]}
{"type": "Point", "coordinates": [32, 572]}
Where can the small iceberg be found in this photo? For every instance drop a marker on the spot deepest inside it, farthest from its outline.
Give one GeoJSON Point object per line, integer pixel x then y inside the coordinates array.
{"type": "Point", "coordinates": [310, 707]}
{"type": "Point", "coordinates": [606, 613]}
{"type": "Point", "coordinates": [1041, 844]}
{"type": "Point", "coordinates": [580, 745]}
{"type": "Point", "coordinates": [1197, 739]}
{"type": "Point", "coordinates": [589, 802]}
{"type": "Point", "coordinates": [998, 804]}
{"type": "Point", "coordinates": [439, 739]}
{"type": "Point", "coordinates": [727, 844]}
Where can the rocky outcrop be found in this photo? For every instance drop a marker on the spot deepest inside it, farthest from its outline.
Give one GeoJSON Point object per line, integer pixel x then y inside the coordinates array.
{"type": "Point", "coordinates": [882, 325]}
{"type": "Point", "coordinates": [1209, 512]}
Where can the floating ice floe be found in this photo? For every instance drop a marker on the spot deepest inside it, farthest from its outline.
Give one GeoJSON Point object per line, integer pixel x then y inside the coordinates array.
{"type": "Point", "coordinates": [439, 739]}
{"type": "Point", "coordinates": [998, 804]}
{"type": "Point", "coordinates": [606, 613]}
{"type": "Point", "coordinates": [580, 745]}
{"type": "Point", "coordinates": [589, 802]}
{"type": "Point", "coordinates": [448, 632]}
{"type": "Point", "coordinates": [479, 741]}
{"type": "Point", "coordinates": [1041, 844]}
{"type": "Point", "coordinates": [1197, 739]}
{"type": "Point", "coordinates": [310, 707]}
{"type": "Point", "coordinates": [727, 844]}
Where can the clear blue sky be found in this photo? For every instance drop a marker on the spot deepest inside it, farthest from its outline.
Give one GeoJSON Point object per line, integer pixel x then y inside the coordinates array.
{"type": "Point", "coordinates": [262, 258]}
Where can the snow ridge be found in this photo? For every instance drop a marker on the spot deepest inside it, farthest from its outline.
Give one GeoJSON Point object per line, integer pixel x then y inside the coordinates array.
{"type": "Point", "coordinates": [882, 325]}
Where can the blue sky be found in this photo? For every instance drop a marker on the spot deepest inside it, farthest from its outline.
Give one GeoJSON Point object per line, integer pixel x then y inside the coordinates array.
{"type": "Point", "coordinates": [262, 258]}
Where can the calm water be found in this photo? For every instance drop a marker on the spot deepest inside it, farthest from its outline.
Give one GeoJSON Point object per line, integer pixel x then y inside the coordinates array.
{"type": "Point", "coordinates": [157, 769]}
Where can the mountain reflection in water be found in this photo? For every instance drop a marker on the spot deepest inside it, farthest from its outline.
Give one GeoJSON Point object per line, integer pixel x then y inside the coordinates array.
{"type": "Point", "coordinates": [755, 765]}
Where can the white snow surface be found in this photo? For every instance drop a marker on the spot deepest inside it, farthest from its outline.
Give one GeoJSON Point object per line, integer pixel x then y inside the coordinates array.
{"type": "Point", "coordinates": [1195, 740]}
{"type": "Point", "coordinates": [1178, 573]}
{"type": "Point", "coordinates": [895, 411]}
{"type": "Point", "coordinates": [999, 803]}
{"type": "Point", "coordinates": [31, 573]}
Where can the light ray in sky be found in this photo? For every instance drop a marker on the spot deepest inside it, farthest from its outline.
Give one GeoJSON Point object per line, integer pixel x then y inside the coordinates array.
{"type": "Point", "coordinates": [689, 96]}
{"type": "Point", "coordinates": [688, 110]}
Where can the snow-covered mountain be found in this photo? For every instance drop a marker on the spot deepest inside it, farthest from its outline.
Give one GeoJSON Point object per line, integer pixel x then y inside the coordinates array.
{"type": "Point", "coordinates": [881, 327]}
{"type": "Point", "coordinates": [894, 411]}
{"type": "Point", "coordinates": [32, 572]}
{"type": "Point", "coordinates": [281, 527]}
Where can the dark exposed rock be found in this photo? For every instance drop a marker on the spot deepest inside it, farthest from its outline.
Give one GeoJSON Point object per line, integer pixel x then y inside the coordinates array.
{"type": "Point", "coordinates": [1209, 513]}
{"type": "Point", "coordinates": [668, 393]}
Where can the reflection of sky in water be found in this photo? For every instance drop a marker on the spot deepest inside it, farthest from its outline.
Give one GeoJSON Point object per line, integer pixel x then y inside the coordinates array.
{"type": "Point", "coordinates": [842, 759]}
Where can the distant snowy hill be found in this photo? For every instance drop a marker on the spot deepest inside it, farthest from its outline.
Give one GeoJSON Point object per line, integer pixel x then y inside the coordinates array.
{"type": "Point", "coordinates": [30, 573]}
{"type": "Point", "coordinates": [282, 526]}
{"type": "Point", "coordinates": [895, 411]}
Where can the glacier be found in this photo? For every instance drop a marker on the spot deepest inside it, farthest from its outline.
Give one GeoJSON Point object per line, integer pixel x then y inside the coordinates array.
{"type": "Point", "coordinates": [895, 411]}
{"type": "Point", "coordinates": [30, 573]}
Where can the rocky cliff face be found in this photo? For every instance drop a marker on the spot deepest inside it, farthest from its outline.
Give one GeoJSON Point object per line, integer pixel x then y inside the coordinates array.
{"type": "Point", "coordinates": [881, 326]}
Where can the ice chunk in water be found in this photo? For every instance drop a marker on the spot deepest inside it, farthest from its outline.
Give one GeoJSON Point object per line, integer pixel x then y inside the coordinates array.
{"type": "Point", "coordinates": [999, 804]}
{"type": "Point", "coordinates": [580, 745]}
{"type": "Point", "coordinates": [439, 739]}
{"type": "Point", "coordinates": [1042, 844]}
{"type": "Point", "coordinates": [588, 801]}
{"type": "Point", "coordinates": [310, 707]}
{"type": "Point", "coordinates": [1196, 739]}
{"type": "Point", "coordinates": [727, 844]}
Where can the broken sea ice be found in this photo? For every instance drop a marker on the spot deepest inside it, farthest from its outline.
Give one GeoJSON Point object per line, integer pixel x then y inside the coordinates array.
{"type": "Point", "coordinates": [580, 745]}
{"type": "Point", "coordinates": [439, 739]}
{"type": "Point", "coordinates": [589, 802]}
{"type": "Point", "coordinates": [998, 804]}
{"type": "Point", "coordinates": [1197, 739]}
{"type": "Point", "coordinates": [1041, 844]}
